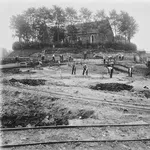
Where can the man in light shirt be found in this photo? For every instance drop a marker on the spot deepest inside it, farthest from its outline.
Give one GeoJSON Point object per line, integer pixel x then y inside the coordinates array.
{"type": "Point", "coordinates": [110, 70]}
{"type": "Point", "coordinates": [130, 71]}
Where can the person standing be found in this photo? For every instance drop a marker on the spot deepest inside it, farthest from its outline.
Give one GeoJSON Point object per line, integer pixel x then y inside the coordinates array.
{"type": "Point", "coordinates": [53, 58]}
{"type": "Point", "coordinates": [130, 71]}
{"type": "Point", "coordinates": [17, 59]}
{"type": "Point", "coordinates": [110, 70]}
{"type": "Point", "coordinates": [69, 58]}
{"type": "Point", "coordinates": [62, 57]}
{"type": "Point", "coordinates": [85, 69]}
{"type": "Point", "coordinates": [74, 68]}
{"type": "Point", "coordinates": [43, 57]}
{"type": "Point", "coordinates": [122, 57]}
{"type": "Point", "coordinates": [104, 60]}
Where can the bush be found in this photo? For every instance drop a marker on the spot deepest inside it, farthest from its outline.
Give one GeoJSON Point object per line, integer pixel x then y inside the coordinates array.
{"type": "Point", "coordinates": [128, 47]}
{"type": "Point", "coordinates": [30, 45]}
{"type": "Point", "coordinates": [121, 46]}
{"type": "Point", "coordinates": [16, 46]}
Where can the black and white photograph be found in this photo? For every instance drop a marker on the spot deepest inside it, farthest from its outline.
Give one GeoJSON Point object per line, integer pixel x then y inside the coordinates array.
{"type": "Point", "coordinates": [75, 75]}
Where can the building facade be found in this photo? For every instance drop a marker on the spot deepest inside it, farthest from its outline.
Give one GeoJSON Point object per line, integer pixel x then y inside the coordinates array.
{"type": "Point", "coordinates": [93, 32]}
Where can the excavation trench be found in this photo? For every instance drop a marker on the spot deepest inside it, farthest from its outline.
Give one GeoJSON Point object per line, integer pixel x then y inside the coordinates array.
{"type": "Point", "coordinates": [35, 110]}
{"type": "Point", "coordinates": [112, 87]}
{"type": "Point", "coordinates": [56, 117]}
{"type": "Point", "coordinates": [31, 82]}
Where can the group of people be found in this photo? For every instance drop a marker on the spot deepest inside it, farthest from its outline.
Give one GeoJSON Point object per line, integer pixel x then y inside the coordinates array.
{"type": "Point", "coordinates": [121, 57]}
{"type": "Point", "coordinates": [113, 58]}
{"type": "Point", "coordinates": [85, 69]}
{"type": "Point", "coordinates": [111, 68]}
{"type": "Point", "coordinates": [61, 58]}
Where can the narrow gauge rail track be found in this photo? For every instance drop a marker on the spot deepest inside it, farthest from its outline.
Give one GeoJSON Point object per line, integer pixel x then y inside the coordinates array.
{"type": "Point", "coordinates": [80, 126]}
{"type": "Point", "coordinates": [145, 108]}
{"type": "Point", "coordinates": [76, 141]}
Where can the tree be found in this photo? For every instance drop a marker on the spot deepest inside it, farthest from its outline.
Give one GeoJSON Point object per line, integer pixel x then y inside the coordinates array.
{"type": "Point", "coordinates": [71, 18]}
{"type": "Point", "coordinates": [127, 25]}
{"type": "Point", "coordinates": [3, 52]}
{"type": "Point", "coordinates": [54, 31]}
{"type": "Point", "coordinates": [123, 23]}
{"type": "Point", "coordinates": [71, 15]}
{"type": "Point", "coordinates": [72, 32]}
{"type": "Point", "coordinates": [85, 18]}
{"type": "Point", "coordinates": [33, 25]}
{"type": "Point", "coordinates": [103, 29]}
{"type": "Point", "coordinates": [44, 25]}
{"type": "Point", "coordinates": [43, 21]}
{"type": "Point", "coordinates": [119, 38]}
{"type": "Point", "coordinates": [59, 19]}
{"type": "Point", "coordinates": [30, 15]}
{"type": "Point", "coordinates": [133, 28]}
{"type": "Point", "coordinates": [21, 27]}
{"type": "Point", "coordinates": [113, 19]}
{"type": "Point", "coordinates": [85, 15]}
{"type": "Point", "coordinates": [100, 15]}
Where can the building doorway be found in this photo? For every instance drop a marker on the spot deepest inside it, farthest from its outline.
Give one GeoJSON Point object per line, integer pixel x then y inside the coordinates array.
{"type": "Point", "coordinates": [92, 39]}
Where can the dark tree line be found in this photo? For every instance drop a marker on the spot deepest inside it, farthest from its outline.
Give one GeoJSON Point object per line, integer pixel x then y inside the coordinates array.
{"type": "Point", "coordinates": [50, 25]}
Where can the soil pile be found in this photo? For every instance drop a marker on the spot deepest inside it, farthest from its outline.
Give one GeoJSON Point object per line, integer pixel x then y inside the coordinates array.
{"type": "Point", "coordinates": [111, 87]}
{"type": "Point", "coordinates": [13, 71]}
{"type": "Point", "coordinates": [31, 82]}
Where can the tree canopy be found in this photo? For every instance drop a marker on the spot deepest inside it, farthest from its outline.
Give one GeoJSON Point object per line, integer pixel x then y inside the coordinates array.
{"type": "Point", "coordinates": [54, 24]}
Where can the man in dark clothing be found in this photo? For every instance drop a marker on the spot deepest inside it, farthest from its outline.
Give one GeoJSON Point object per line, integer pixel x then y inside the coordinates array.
{"type": "Point", "coordinates": [17, 59]}
{"type": "Point", "coordinates": [39, 55]}
{"type": "Point", "coordinates": [85, 70]}
{"type": "Point", "coordinates": [104, 60]}
{"type": "Point", "coordinates": [74, 68]}
{"type": "Point", "coordinates": [62, 58]}
{"type": "Point", "coordinates": [69, 58]}
{"type": "Point", "coordinates": [43, 57]}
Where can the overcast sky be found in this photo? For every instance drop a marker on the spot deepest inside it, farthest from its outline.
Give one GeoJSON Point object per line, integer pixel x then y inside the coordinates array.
{"type": "Point", "coordinates": [139, 9]}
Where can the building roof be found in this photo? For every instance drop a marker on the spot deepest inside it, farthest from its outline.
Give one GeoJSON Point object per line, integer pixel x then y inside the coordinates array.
{"type": "Point", "coordinates": [93, 27]}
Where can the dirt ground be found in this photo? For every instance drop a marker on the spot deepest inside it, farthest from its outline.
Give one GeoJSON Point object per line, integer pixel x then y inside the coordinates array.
{"type": "Point", "coordinates": [65, 99]}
